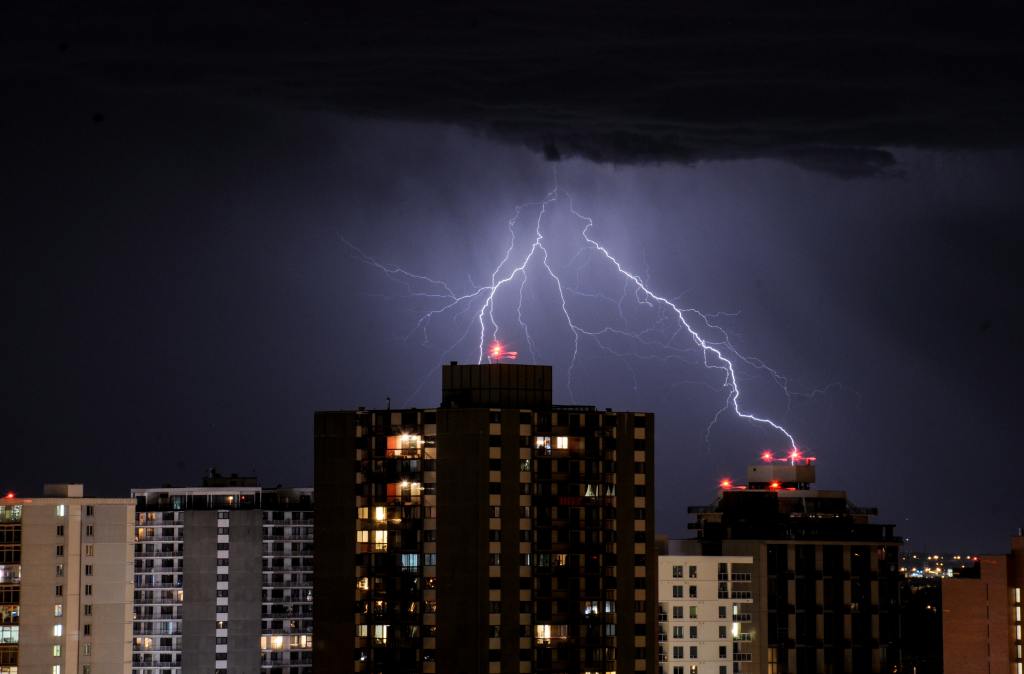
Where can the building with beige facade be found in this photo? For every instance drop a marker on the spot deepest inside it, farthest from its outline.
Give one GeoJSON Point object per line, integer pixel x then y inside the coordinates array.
{"type": "Point", "coordinates": [65, 583]}
{"type": "Point", "coordinates": [704, 607]}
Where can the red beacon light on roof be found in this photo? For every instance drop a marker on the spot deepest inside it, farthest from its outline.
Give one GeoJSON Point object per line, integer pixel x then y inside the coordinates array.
{"type": "Point", "coordinates": [774, 485]}
{"type": "Point", "coordinates": [9, 494]}
{"type": "Point", "coordinates": [497, 352]}
{"type": "Point", "coordinates": [726, 483]}
{"type": "Point", "coordinates": [767, 456]}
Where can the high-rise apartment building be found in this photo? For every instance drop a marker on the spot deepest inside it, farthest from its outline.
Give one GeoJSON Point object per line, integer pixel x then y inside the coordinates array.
{"type": "Point", "coordinates": [703, 604]}
{"type": "Point", "coordinates": [223, 579]}
{"type": "Point", "coordinates": [825, 578]}
{"type": "Point", "coordinates": [496, 532]}
{"type": "Point", "coordinates": [65, 583]}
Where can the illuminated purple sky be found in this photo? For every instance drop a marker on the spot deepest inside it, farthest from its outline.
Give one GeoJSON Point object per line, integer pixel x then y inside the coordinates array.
{"type": "Point", "coordinates": [181, 297]}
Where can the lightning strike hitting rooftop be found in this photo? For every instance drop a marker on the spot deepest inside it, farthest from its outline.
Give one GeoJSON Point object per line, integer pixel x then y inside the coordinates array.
{"type": "Point", "coordinates": [715, 349]}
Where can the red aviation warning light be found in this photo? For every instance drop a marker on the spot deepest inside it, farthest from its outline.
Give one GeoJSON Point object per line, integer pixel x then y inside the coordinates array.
{"type": "Point", "coordinates": [10, 494]}
{"type": "Point", "coordinates": [767, 456]}
{"type": "Point", "coordinates": [774, 485]}
{"type": "Point", "coordinates": [497, 352]}
{"type": "Point", "coordinates": [726, 483]}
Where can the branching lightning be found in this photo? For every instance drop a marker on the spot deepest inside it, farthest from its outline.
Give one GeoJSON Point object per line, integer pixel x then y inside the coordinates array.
{"type": "Point", "coordinates": [523, 264]}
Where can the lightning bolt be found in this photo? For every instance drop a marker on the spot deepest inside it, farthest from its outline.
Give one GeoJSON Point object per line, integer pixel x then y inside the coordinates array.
{"type": "Point", "coordinates": [527, 256]}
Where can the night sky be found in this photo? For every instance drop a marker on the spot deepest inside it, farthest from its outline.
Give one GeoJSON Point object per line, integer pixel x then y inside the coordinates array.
{"type": "Point", "coordinates": [842, 189]}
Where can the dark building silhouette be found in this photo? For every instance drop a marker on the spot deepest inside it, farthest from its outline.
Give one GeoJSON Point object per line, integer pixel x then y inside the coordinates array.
{"type": "Point", "coordinates": [495, 533]}
{"type": "Point", "coordinates": [825, 579]}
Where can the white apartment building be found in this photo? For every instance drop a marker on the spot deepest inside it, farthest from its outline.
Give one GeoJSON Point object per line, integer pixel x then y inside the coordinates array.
{"type": "Point", "coordinates": [223, 579]}
{"type": "Point", "coordinates": [704, 609]}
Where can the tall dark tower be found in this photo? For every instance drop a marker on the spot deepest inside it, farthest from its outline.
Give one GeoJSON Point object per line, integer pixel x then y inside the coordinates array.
{"type": "Point", "coordinates": [495, 533]}
{"type": "Point", "coordinates": [825, 575]}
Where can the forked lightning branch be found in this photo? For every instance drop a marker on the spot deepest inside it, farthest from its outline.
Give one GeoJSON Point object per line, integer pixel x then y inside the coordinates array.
{"type": "Point", "coordinates": [527, 259]}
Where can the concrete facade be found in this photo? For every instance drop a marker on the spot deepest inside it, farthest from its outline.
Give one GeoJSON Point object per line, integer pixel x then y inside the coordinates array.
{"type": "Point", "coordinates": [704, 614]}
{"type": "Point", "coordinates": [224, 579]}
{"type": "Point", "coordinates": [66, 583]}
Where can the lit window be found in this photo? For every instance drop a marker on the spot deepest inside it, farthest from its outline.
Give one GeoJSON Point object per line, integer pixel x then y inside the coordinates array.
{"type": "Point", "coordinates": [380, 513]}
{"type": "Point", "coordinates": [58, 630]}
{"type": "Point", "coordinates": [542, 442]}
{"type": "Point", "coordinates": [561, 442]}
{"type": "Point", "coordinates": [380, 541]}
{"type": "Point", "coordinates": [58, 610]}
{"type": "Point", "coordinates": [363, 583]}
{"type": "Point", "coordinates": [56, 650]}
{"type": "Point", "coordinates": [362, 536]}
{"type": "Point", "coordinates": [60, 513]}
{"type": "Point", "coordinates": [362, 630]}
{"type": "Point", "coordinates": [406, 444]}
{"type": "Point", "coordinates": [380, 634]}
{"type": "Point", "coordinates": [55, 669]}
{"type": "Point", "coordinates": [362, 512]}
{"type": "Point", "coordinates": [545, 634]}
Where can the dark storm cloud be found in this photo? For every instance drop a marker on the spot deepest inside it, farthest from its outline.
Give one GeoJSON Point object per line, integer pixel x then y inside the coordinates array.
{"type": "Point", "coordinates": [831, 90]}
